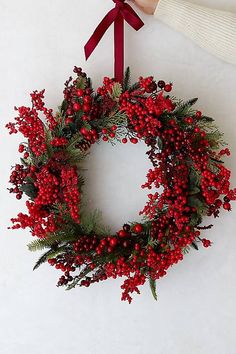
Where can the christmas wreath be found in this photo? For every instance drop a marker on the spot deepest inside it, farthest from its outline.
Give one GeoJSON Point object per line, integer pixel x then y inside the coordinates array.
{"type": "Point", "coordinates": [183, 146]}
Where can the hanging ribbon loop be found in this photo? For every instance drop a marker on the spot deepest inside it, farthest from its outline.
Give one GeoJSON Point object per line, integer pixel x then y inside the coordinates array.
{"type": "Point", "coordinates": [120, 13]}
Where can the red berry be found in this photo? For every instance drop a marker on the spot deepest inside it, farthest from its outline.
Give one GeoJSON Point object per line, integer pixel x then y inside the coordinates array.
{"type": "Point", "coordinates": [52, 261]}
{"type": "Point", "coordinates": [84, 131]}
{"type": "Point", "coordinates": [122, 233]}
{"type": "Point", "coordinates": [104, 131]}
{"type": "Point", "coordinates": [198, 114]}
{"type": "Point", "coordinates": [21, 148]}
{"type": "Point", "coordinates": [227, 206]}
{"type": "Point", "coordinates": [218, 203]}
{"type": "Point", "coordinates": [206, 243]}
{"type": "Point", "coordinates": [103, 242]}
{"type": "Point", "coordinates": [189, 120]}
{"type": "Point", "coordinates": [137, 246]}
{"type": "Point", "coordinates": [134, 140]}
{"type": "Point", "coordinates": [112, 135]}
{"type": "Point", "coordinates": [86, 107]}
{"type": "Point", "coordinates": [69, 112]}
{"type": "Point", "coordinates": [124, 141]}
{"type": "Point", "coordinates": [113, 242]}
{"type": "Point", "coordinates": [138, 228]}
{"type": "Point", "coordinates": [168, 87]}
{"type": "Point", "coordinates": [76, 106]}
{"type": "Point", "coordinates": [80, 92]}
{"type": "Point", "coordinates": [68, 120]}
{"type": "Point", "coordinates": [105, 138]}
{"type": "Point", "coordinates": [172, 122]}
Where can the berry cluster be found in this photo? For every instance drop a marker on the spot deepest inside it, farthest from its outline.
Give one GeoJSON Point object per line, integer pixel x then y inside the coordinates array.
{"type": "Point", "coordinates": [17, 177]}
{"type": "Point", "coordinates": [31, 127]}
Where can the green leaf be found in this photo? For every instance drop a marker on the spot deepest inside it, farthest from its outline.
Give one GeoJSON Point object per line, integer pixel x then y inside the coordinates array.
{"type": "Point", "coordinates": [194, 202]}
{"type": "Point", "coordinates": [194, 177]}
{"type": "Point", "coordinates": [194, 245]}
{"type": "Point", "coordinates": [159, 143]}
{"type": "Point", "coordinates": [63, 106]}
{"type": "Point", "coordinates": [76, 138]}
{"type": "Point", "coordinates": [152, 284]}
{"type": "Point", "coordinates": [194, 190]}
{"type": "Point", "coordinates": [41, 260]}
{"type": "Point", "coordinates": [92, 222]}
{"type": "Point", "coordinates": [215, 160]}
{"type": "Point", "coordinates": [187, 104]}
{"type": "Point", "coordinates": [195, 219]}
{"type": "Point", "coordinates": [81, 83]}
{"type": "Point", "coordinates": [48, 242]}
{"type": "Point", "coordinates": [70, 232]}
{"type": "Point", "coordinates": [198, 204]}
{"type": "Point", "coordinates": [116, 90]}
{"type": "Point", "coordinates": [192, 101]}
{"type": "Point", "coordinates": [24, 162]}
{"type": "Point", "coordinates": [30, 190]}
{"type": "Point", "coordinates": [184, 108]}
{"type": "Point", "coordinates": [49, 254]}
{"type": "Point", "coordinates": [126, 81]}
{"type": "Point", "coordinates": [134, 87]}
{"type": "Point", "coordinates": [185, 250]}
{"type": "Point", "coordinates": [207, 119]}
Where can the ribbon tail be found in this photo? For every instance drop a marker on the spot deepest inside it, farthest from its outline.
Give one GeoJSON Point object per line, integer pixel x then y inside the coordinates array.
{"type": "Point", "coordinates": [99, 32]}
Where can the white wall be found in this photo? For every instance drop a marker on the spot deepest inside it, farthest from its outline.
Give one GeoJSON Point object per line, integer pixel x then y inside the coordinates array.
{"type": "Point", "coordinates": [40, 42]}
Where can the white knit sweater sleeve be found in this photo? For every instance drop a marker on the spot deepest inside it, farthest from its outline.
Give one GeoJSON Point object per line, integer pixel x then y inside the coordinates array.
{"type": "Point", "coordinates": [213, 30]}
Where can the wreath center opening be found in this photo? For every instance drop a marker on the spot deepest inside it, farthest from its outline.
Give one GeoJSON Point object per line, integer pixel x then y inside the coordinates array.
{"type": "Point", "coordinates": [114, 175]}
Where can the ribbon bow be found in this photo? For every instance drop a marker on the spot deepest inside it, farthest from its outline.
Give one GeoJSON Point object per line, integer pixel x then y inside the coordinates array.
{"type": "Point", "coordinates": [120, 13]}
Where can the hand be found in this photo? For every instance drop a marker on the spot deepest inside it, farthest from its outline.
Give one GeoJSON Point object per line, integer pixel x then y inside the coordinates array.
{"type": "Point", "coordinates": [147, 6]}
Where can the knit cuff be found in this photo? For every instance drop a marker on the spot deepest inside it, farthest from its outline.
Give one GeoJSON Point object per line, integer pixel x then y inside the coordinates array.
{"type": "Point", "coordinates": [211, 29]}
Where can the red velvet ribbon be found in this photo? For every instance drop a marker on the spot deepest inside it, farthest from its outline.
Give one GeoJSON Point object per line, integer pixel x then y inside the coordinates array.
{"type": "Point", "coordinates": [120, 13]}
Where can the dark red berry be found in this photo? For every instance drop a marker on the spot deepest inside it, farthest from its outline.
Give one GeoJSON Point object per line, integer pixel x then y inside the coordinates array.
{"type": "Point", "coordinates": [161, 84]}
{"type": "Point", "coordinates": [126, 227]}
